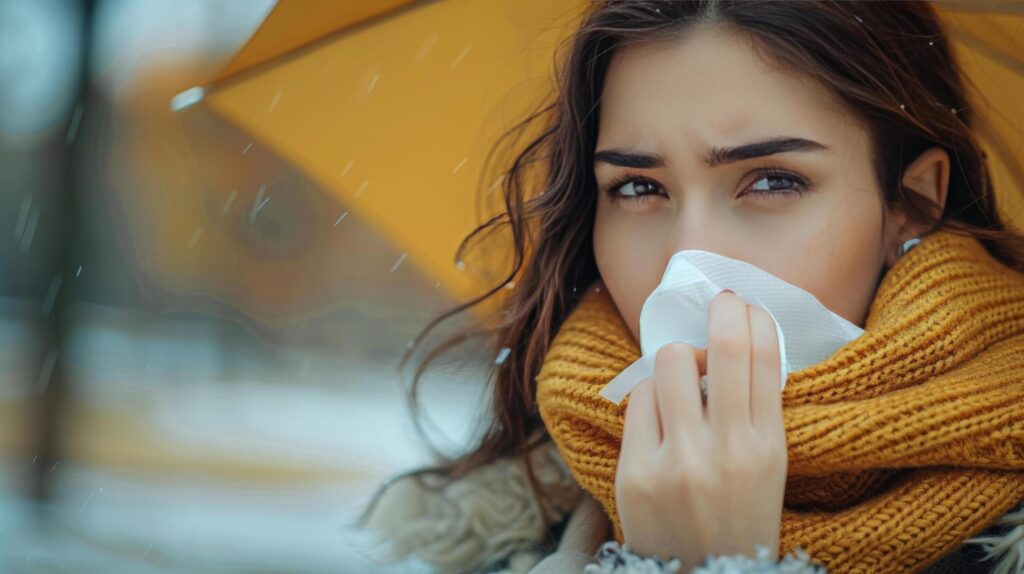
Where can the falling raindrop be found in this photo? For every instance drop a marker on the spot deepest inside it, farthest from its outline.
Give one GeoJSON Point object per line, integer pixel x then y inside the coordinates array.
{"type": "Point", "coordinates": [502, 355]}
{"type": "Point", "coordinates": [79, 272]}
{"type": "Point", "coordinates": [75, 120]}
{"type": "Point", "coordinates": [361, 189]}
{"type": "Point", "coordinates": [273, 102]}
{"type": "Point", "coordinates": [461, 265]}
{"type": "Point", "coordinates": [46, 373]}
{"type": "Point", "coordinates": [397, 263]}
{"type": "Point", "coordinates": [458, 59]}
{"type": "Point", "coordinates": [425, 48]}
{"type": "Point", "coordinates": [23, 211]}
{"type": "Point", "coordinates": [51, 294]}
{"type": "Point", "coordinates": [461, 163]}
{"type": "Point", "coordinates": [348, 166]}
{"type": "Point", "coordinates": [30, 230]}
{"type": "Point", "coordinates": [86, 502]}
{"type": "Point", "coordinates": [231, 200]}
{"type": "Point", "coordinates": [343, 215]}
{"type": "Point", "coordinates": [495, 185]}
{"type": "Point", "coordinates": [195, 237]}
{"type": "Point", "coordinates": [373, 83]}
{"type": "Point", "coordinates": [246, 150]}
{"type": "Point", "coordinates": [258, 203]}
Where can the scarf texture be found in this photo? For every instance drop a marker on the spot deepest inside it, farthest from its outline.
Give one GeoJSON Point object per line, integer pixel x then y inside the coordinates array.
{"type": "Point", "coordinates": [904, 443]}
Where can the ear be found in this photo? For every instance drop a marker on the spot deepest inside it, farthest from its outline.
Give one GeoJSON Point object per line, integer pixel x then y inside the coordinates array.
{"type": "Point", "coordinates": [928, 177]}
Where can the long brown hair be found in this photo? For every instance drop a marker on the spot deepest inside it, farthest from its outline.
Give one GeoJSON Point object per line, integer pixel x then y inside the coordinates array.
{"type": "Point", "coordinates": [890, 62]}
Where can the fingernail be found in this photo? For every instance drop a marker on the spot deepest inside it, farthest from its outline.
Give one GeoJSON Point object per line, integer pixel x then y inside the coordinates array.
{"type": "Point", "coordinates": [729, 291]}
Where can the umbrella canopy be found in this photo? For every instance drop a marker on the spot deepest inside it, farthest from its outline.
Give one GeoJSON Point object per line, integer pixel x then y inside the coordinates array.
{"type": "Point", "coordinates": [988, 38]}
{"type": "Point", "coordinates": [392, 105]}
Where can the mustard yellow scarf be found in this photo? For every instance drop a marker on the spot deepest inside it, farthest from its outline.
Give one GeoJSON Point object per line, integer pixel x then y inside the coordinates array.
{"type": "Point", "coordinates": [904, 443]}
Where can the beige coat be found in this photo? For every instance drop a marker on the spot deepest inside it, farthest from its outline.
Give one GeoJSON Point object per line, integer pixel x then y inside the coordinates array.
{"type": "Point", "coordinates": [490, 519]}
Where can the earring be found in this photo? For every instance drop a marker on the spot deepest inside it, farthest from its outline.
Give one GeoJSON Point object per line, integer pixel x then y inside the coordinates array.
{"type": "Point", "coordinates": [908, 245]}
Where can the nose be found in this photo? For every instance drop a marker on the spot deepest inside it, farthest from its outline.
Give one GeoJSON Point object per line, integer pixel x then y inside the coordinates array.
{"type": "Point", "coordinates": [696, 227]}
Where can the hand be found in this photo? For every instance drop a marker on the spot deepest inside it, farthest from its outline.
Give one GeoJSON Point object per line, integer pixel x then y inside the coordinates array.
{"type": "Point", "coordinates": [695, 480]}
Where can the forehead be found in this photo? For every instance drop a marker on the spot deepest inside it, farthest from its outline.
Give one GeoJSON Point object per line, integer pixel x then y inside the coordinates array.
{"type": "Point", "coordinates": [713, 87]}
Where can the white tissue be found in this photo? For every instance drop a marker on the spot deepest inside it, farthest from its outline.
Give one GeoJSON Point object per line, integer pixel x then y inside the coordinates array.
{"type": "Point", "coordinates": [678, 310]}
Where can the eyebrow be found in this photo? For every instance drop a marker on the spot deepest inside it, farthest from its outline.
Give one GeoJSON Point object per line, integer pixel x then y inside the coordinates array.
{"type": "Point", "coordinates": [714, 157]}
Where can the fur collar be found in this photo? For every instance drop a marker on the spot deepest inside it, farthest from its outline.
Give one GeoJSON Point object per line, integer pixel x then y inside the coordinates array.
{"type": "Point", "coordinates": [1006, 542]}
{"type": "Point", "coordinates": [474, 522]}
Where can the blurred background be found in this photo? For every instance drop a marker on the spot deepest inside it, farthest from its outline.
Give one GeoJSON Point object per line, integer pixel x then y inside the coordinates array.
{"type": "Point", "coordinates": [199, 328]}
{"type": "Point", "coordinates": [222, 222]}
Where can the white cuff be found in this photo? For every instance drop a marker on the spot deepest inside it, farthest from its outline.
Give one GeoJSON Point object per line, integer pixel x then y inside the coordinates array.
{"type": "Point", "coordinates": [615, 559]}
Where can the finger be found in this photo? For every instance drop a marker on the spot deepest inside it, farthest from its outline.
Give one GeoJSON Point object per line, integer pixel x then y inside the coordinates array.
{"type": "Point", "coordinates": [766, 367]}
{"type": "Point", "coordinates": [677, 390]}
{"type": "Point", "coordinates": [641, 433]}
{"type": "Point", "coordinates": [728, 364]}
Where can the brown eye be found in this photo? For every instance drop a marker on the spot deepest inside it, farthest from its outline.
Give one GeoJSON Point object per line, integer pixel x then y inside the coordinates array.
{"type": "Point", "coordinates": [777, 184]}
{"type": "Point", "coordinates": [631, 188]}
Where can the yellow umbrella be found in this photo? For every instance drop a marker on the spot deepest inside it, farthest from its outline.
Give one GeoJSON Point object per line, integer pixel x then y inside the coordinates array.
{"type": "Point", "coordinates": [988, 37]}
{"type": "Point", "coordinates": [392, 105]}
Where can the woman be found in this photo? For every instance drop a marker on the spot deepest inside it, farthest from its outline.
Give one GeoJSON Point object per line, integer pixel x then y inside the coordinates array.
{"type": "Point", "coordinates": [829, 143]}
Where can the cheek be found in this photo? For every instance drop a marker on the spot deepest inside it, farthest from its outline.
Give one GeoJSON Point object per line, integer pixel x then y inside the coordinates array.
{"type": "Point", "coordinates": [841, 263]}
{"type": "Point", "coordinates": [630, 268]}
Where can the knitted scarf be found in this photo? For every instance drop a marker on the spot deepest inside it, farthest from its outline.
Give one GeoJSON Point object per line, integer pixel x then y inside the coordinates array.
{"type": "Point", "coordinates": [904, 443]}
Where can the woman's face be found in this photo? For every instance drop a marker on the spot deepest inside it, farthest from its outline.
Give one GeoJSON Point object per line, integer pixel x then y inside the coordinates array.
{"type": "Point", "coordinates": [822, 230]}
